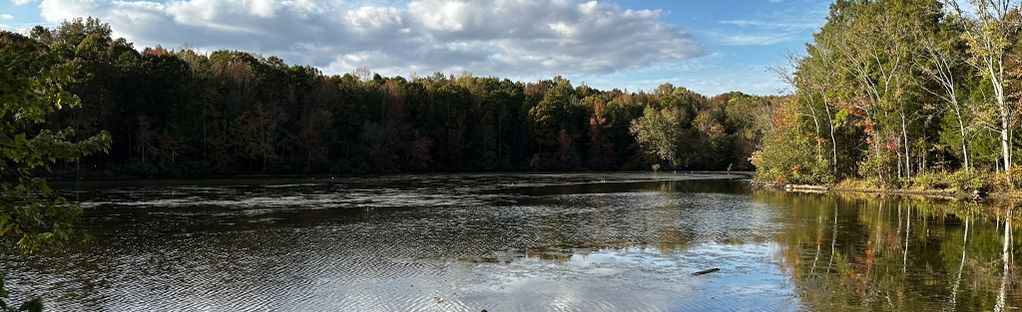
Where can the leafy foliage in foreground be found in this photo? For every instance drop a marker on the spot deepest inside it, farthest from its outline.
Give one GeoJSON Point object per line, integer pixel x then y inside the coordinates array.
{"type": "Point", "coordinates": [32, 216]}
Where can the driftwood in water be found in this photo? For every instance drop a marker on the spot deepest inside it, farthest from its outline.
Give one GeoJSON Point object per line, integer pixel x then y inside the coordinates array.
{"type": "Point", "coordinates": [697, 273]}
{"type": "Point", "coordinates": [806, 188]}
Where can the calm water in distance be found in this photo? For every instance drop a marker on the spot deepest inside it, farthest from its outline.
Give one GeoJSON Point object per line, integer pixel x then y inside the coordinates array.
{"type": "Point", "coordinates": [521, 242]}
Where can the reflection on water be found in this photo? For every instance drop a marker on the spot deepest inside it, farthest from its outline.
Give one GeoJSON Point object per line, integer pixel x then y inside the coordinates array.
{"type": "Point", "coordinates": [522, 243]}
{"type": "Point", "coordinates": [869, 253]}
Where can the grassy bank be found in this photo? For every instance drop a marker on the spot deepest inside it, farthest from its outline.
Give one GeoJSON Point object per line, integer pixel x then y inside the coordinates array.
{"type": "Point", "coordinates": [960, 184]}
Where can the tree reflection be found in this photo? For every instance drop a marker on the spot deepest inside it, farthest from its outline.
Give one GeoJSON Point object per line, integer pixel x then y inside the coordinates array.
{"type": "Point", "coordinates": [961, 266]}
{"type": "Point", "coordinates": [898, 253]}
{"type": "Point", "coordinates": [1006, 260]}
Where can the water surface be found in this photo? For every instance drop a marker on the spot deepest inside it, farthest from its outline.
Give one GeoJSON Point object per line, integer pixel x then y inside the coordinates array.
{"type": "Point", "coordinates": [510, 242]}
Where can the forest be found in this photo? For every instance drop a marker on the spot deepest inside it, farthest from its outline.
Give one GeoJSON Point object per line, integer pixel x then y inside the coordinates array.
{"type": "Point", "coordinates": [902, 93]}
{"type": "Point", "coordinates": [890, 93]}
{"type": "Point", "coordinates": [192, 113]}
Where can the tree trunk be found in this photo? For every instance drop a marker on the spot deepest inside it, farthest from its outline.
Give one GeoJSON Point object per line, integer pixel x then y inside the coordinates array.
{"type": "Point", "coordinates": [1005, 142]}
{"type": "Point", "coordinates": [961, 131]}
{"type": "Point", "coordinates": [904, 136]}
{"type": "Point", "coordinates": [816, 122]}
{"type": "Point", "coordinates": [833, 138]}
{"type": "Point", "coordinates": [1003, 111]}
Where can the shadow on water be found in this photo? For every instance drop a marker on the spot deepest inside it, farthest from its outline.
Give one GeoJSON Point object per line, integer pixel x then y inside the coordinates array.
{"type": "Point", "coordinates": [522, 242]}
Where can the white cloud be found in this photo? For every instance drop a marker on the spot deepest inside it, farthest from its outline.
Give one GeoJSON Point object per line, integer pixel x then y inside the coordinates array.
{"type": "Point", "coordinates": [374, 18]}
{"type": "Point", "coordinates": [21, 2]}
{"type": "Point", "coordinates": [6, 17]}
{"type": "Point", "coordinates": [755, 40]}
{"type": "Point", "coordinates": [495, 37]}
{"type": "Point", "coordinates": [60, 10]}
{"type": "Point", "coordinates": [449, 16]}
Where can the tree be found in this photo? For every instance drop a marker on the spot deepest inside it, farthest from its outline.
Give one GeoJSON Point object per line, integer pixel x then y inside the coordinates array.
{"type": "Point", "coordinates": [787, 154]}
{"type": "Point", "coordinates": [550, 116]}
{"type": "Point", "coordinates": [941, 63]}
{"type": "Point", "coordinates": [989, 36]}
{"type": "Point", "coordinates": [602, 153]}
{"type": "Point", "coordinates": [32, 215]}
{"type": "Point", "coordinates": [883, 73]}
{"type": "Point", "coordinates": [659, 134]}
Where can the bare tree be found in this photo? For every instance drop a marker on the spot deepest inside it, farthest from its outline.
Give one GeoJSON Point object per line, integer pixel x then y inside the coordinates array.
{"type": "Point", "coordinates": [939, 61]}
{"type": "Point", "coordinates": [989, 32]}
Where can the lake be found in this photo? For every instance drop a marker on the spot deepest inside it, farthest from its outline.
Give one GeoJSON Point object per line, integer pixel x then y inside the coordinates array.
{"type": "Point", "coordinates": [520, 242]}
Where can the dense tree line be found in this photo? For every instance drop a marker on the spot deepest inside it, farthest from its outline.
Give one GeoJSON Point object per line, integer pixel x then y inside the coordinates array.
{"type": "Point", "coordinates": [894, 91]}
{"type": "Point", "coordinates": [186, 113]}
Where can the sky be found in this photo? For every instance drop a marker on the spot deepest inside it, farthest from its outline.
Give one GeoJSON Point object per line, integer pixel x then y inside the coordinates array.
{"type": "Point", "coordinates": [710, 47]}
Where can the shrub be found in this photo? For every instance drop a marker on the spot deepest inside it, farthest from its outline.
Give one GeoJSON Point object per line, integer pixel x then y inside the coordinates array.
{"type": "Point", "coordinates": [965, 180]}
{"type": "Point", "coordinates": [929, 180]}
{"type": "Point", "coordinates": [795, 170]}
{"type": "Point", "coordinates": [960, 180]}
{"type": "Point", "coordinates": [1005, 181]}
{"type": "Point", "coordinates": [855, 184]}
{"type": "Point", "coordinates": [880, 170]}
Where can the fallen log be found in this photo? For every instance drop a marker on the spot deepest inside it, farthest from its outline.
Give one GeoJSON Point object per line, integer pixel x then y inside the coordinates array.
{"type": "Point", "coordinates": [697, 273]}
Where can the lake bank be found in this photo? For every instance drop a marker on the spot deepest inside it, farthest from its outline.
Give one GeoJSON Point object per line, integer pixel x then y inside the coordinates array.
{"type": "Point", "coordinates": [813, 188]}
{"type": "Point", "coordinates": [929, 193]}
{"type": "Point", "coordinates": [62, 179]}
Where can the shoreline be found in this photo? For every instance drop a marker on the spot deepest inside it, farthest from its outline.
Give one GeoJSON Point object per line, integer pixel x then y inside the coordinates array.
{"type": "Point", "coordinates": [932, 193]}
{"type": "Point", "coordinates": [928, 193]}
{"type": "Point", "coordinates": [733, 174]}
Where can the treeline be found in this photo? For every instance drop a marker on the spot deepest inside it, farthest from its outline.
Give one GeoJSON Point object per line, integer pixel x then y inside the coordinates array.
{"type": "Point", "coordinates": [903, 93]}
{"type": "Point", "coordinates": [186, 113]}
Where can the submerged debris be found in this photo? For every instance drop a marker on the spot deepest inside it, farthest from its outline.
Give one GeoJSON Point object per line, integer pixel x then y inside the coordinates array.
{"type": "Point", "coordinates": [697, 273]}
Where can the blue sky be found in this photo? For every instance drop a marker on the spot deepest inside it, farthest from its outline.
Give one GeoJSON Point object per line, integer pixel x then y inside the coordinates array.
{"type": "Point", "coordinates": [707, 46]}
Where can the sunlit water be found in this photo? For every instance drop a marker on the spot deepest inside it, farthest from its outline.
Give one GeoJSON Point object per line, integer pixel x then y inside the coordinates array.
{"type": "Point", "coordinates": [571, 242]}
